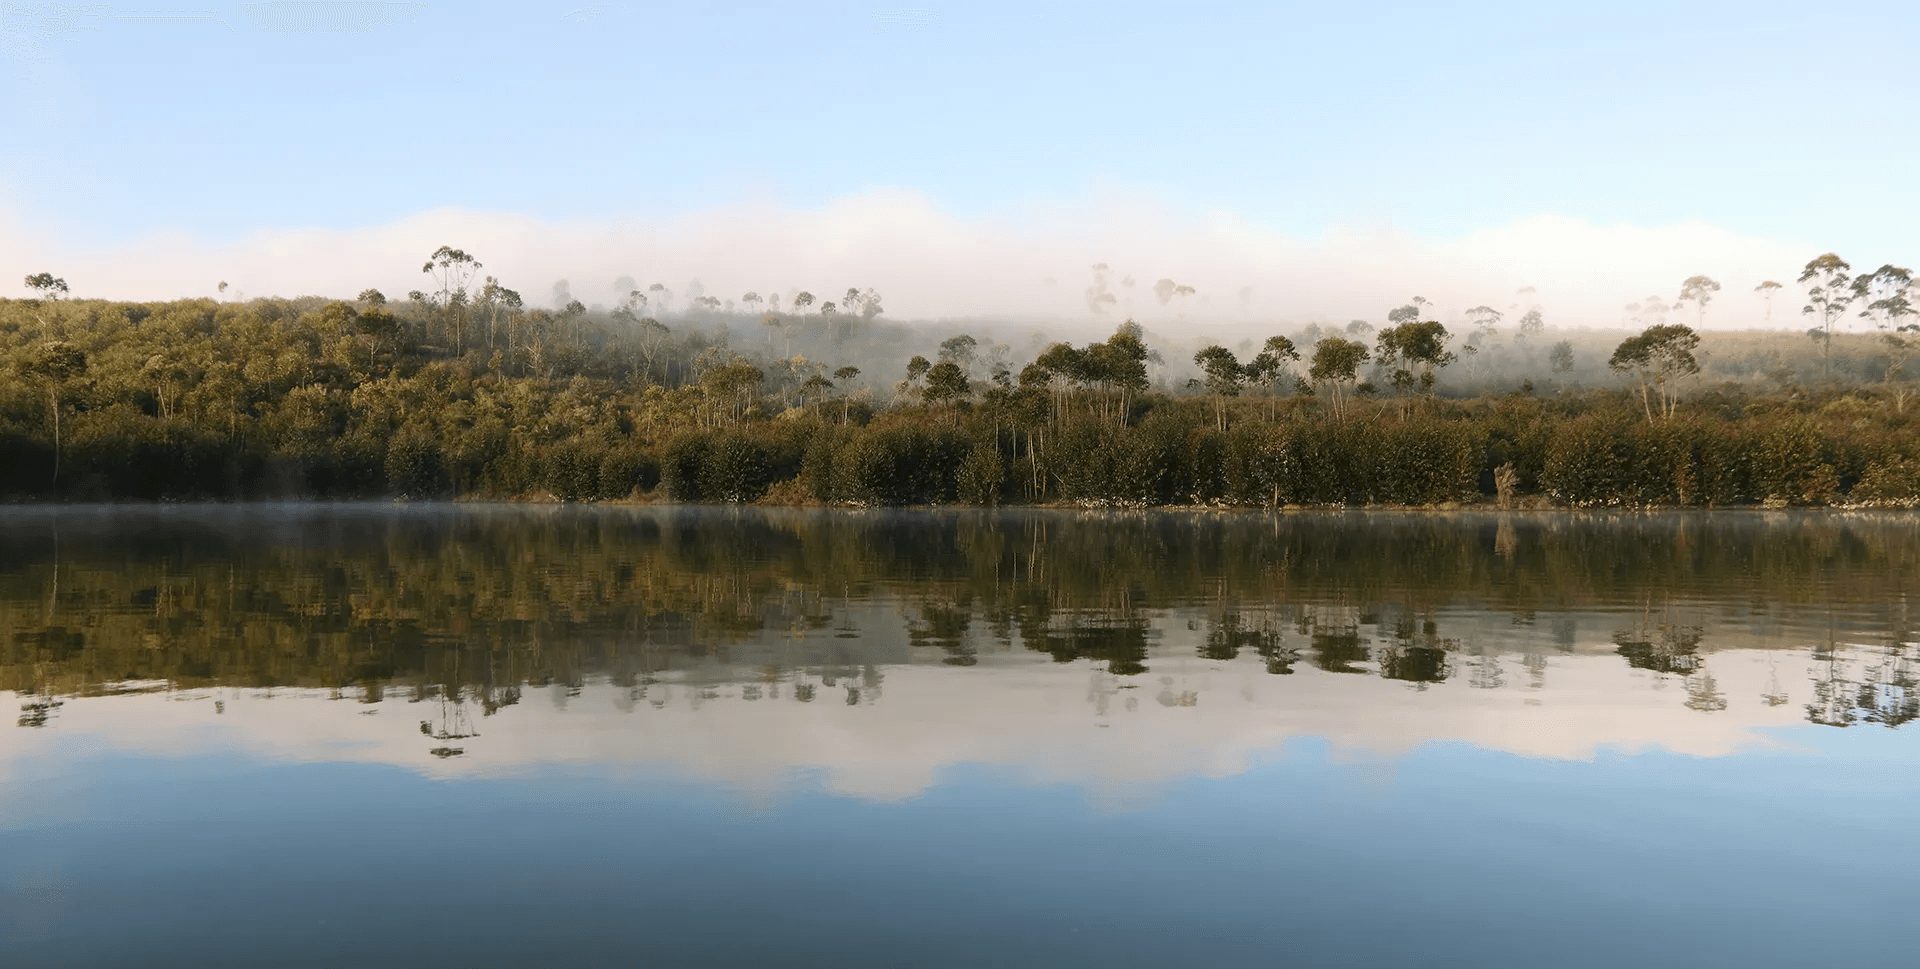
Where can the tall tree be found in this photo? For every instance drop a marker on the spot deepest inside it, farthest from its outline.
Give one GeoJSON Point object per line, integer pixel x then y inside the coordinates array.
{"type": "Point", "coordinates": [1413, 352]}
{"type": "Point", "coordinates": [1223, 375]}
{"type": "Point", "coordinates": [1098, 298]}
{"type": "Point", "coordinates": [959, 349]}
{"type": "Point", "coordinates": [1766, 291]}
{"type": "Point", "coordinates": [1269, 366]}
{"type": "Point", "coordinates": [1414, 310]}
{"type": "Point", "coordinates": [56, 365]}
{"type": "Point", "coordinates": [846, 376]}
{"type": "Point", "coordinates": [1699, 291]}
{"type": "Point", "coordinates": [1561, 356]}
{"type": "Point", "coordinates": [1828, 283]}
{"type": "Point", "coordinates": [1657, 359]}
{"type": "Point", "coordinates": [947, 383]}
{"type": "Point", "coordinates": [1531, 324]}
{"type": "Point", "coordinates": [1887, 295]}
{"type": "Point", "coordinates": [1124, 364]}
{"type": "Point", "coordinates": [46, 286]}
{"type": "Point", "coordinates": [917, 368]}
{"type": "Point", "coordinates": [1485, 319]}
{"type": "Point", "coordinates": [454, 270]}
{"type": "Point", "coordinates": [1336, 368]}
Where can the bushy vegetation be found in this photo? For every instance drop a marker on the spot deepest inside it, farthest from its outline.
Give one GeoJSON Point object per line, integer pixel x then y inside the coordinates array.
{"type": "Point", "coordinates": [450, 396]}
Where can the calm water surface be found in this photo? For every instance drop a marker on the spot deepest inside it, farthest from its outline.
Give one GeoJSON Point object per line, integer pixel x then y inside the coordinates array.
{"type": "Point", "coordinates": [520, 736]}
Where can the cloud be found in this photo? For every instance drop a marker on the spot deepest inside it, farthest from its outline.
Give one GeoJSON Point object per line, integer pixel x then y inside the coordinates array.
{"type": "Point", "coordinates": [1043, 723]}
{"type": "Point", "coordinates": [932, 263]}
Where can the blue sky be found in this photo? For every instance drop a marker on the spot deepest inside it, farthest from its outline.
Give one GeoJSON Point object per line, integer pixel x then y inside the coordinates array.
{"type": "Point", "coordinates": [1788, 123]}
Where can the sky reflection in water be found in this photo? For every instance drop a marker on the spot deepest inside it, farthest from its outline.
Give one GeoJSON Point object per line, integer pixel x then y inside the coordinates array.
{"type": "Point", "coordinates": [378, 735]}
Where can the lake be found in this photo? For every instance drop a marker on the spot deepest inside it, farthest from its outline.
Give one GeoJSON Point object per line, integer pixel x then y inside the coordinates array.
{"type": "Point", "coordinates": [475, 736]}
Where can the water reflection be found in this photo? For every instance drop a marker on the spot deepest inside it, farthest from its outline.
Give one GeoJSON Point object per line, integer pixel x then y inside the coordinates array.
{"type": "Point", "coordinates": [397, 735]}
{"type": "Point", "coordinates": [1552, 635]}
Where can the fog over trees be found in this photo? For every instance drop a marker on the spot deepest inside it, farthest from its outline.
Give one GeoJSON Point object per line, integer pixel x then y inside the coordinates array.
{"type": "Point", "coordinates": [467, 388]}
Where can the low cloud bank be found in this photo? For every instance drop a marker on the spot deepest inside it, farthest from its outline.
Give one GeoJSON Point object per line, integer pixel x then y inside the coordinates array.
{"type": "Point", "coordinates": [1037, 265]}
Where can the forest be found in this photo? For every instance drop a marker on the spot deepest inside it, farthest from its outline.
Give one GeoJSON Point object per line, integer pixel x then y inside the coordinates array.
{"type": "Point", "coordinates": [464, 392]}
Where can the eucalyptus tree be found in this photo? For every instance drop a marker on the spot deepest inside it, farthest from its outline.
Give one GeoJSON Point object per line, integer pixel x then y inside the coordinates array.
{"type": "Point", "coordinates": [491, 305]}
{"type": "Point", "coordinates": [1411, 312]}
{"type": "Point", "coordinates": [1121, 364]}
{"type": "Point", "coordinates": [1485, 321]}
{"type": "Point", "coordinates": [1887, 294]}
{"type": "Point", "coordinates": [1767, 290]}
{"type": "Point", "coordinates": [732, 385]}
{"type": "Point", "coordinates": [1560, 358]}
{"type": "Point", "coordinates": [1531, 324]}
{"type": "Point", "coordinates": [816, 384]}
{"type": "Point", "coordinates": [56, 365]}
{"type": "Point", "coordinates": [802, 300]}
{"type": "Point", "coordinates": [1223, 376]}
{"type": "Point", "coordinates": [1059, 369]}
{"type": "Point", "coordinates": [1828, 282]}
{"type": "Point", "coordinates": [1269, 366]}
{"type": "Point", "coordinates": [916, 369]}
{"type": "Point", "coordinates": [959, 349]}
{"type": "Point", "coordinates": [1484, 318]}
{"type": "Point", "coordinates": [375, 325]}
{"type": "Point", "coordinates": [650, 334]}
{"type": "Point", "coordinates": [1651, 311]}
{"type": "Point", "coordinates": [506, 304]}
{"type": "Point", "coordinates": [1657, 359]}
{"type": "Point", "coordinates": [454, 270]}
{"type": "Point", "coordinates": [1413, 352]}
{"type": "Point", "coordinates": [1336, 369]}
{"type": "Point", "coordinates": [846, 375]}
{"type": "Point", "coordinates": [1699, 291]}
{"type": "Point", "coordinates": [947, 383]}
{"type": "Point", "coordinates": [771, 323]}
{"type": "Point", "coordinates": [47, 287]}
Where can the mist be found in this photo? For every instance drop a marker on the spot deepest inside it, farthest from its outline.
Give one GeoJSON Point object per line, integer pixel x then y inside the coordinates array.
{"type": "Point", "coordinates": [1229, 277]}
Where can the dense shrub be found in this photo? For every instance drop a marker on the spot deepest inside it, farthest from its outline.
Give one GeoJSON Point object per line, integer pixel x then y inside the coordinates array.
{"type": "Point", "coordinates": [901, 464]}
{"type": "Point", "coordinates": [415, 466]}
{"type": "Point", "coordinates": [732, 466]}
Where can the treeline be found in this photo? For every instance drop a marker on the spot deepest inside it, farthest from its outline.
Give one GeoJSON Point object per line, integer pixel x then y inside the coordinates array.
{"type": "Point", "coordinates": [198, 400]}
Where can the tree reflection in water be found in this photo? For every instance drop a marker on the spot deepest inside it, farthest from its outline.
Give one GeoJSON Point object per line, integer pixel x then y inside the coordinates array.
{"type": "Point", "coordinates": [467, 607]}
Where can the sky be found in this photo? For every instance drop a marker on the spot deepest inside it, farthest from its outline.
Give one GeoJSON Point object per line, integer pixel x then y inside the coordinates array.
{"type": "Point", "coordinates": [1300, 161]}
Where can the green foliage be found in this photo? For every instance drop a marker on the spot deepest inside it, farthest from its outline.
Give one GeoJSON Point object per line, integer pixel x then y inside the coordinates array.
{"type": "Point", "coordinates": [316, 398]}
{"type": "Point", "coordinates": [415, 466]}
{"type": "Point", "coordinates": [900, 464]}
{"type": "Point", "coordinates": [1658, 358]}
{"type": "Point", "coordinates": [1412, 351]}
{"type": "Point", "coordinates": [728, 466]}
{"type": "Point", "coordinates": [983, 476]}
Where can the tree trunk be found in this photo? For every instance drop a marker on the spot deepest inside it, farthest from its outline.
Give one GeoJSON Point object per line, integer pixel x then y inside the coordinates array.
{"type": "Point", "coordinates": [53, 398]}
